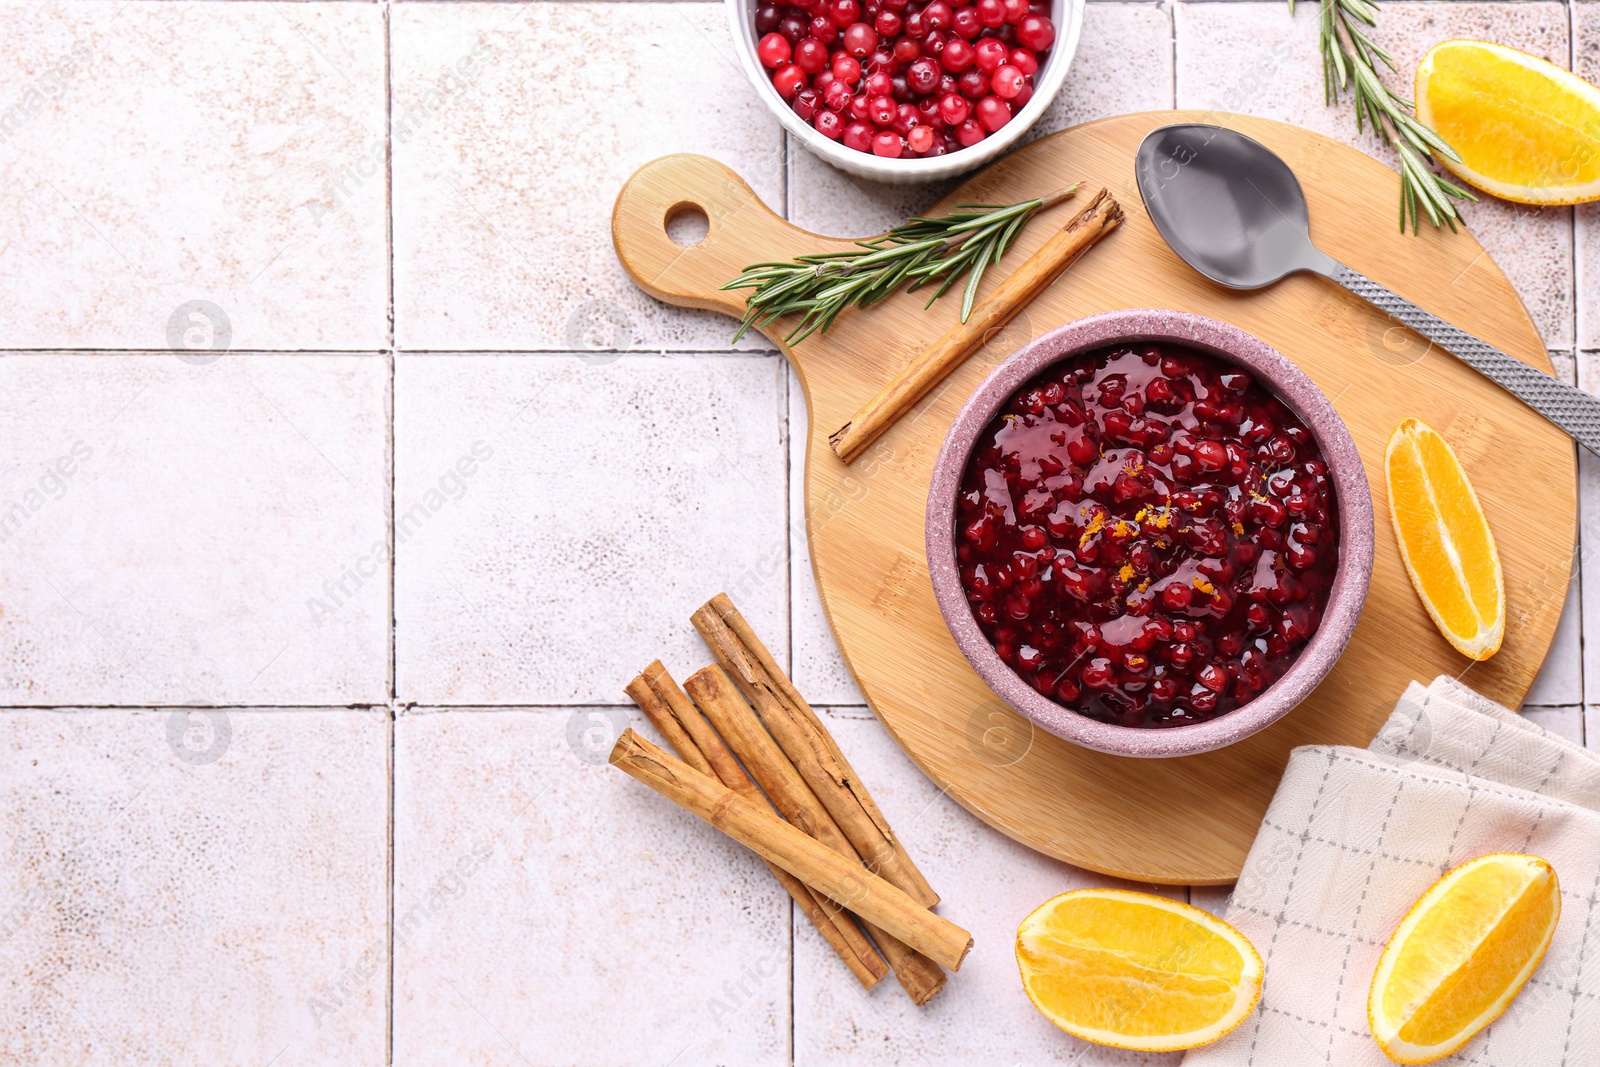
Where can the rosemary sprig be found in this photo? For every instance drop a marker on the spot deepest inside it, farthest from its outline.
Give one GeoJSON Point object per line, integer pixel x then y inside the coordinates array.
{"type": "Point", "coordinates": [1350, 57]}
{"type": "Point", "coordinates": [919, 252]}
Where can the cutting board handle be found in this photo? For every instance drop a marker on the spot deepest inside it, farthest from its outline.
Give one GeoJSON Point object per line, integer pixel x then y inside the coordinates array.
{"type": "Point", "coordinates": [677, 274]}
{"type": "Point", "coordinates": [664, 188]}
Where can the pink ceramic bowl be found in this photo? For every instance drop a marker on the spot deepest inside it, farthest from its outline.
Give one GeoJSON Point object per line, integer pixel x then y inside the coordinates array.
{"type": "Point", "coordinates": [1273, 370]}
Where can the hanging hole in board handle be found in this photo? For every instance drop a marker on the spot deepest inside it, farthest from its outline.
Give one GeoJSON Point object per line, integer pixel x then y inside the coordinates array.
{"type": "Point", "coordinates": [687, 224]}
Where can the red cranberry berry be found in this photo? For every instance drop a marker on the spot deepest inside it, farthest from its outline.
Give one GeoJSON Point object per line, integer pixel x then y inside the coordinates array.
{"type": "Point", "coordinates": [993, 112]}
{"type": "Point", "coordinates": [788, 80]}
{"type": "Point", "coordinates": [773, 50]}
{"type": "Point", "coordinates": [923, 75]}
{"type": "Point", "coordinates": [953, 109]}
{"type": "Point", "coordinates": [938, 15]}
{"type": "Point", "coordinates": [965, 23]}
{"type": "Point", "coordinates": [957, 56]}
{"type": "Point", "coordinates": [859, 39]}
{"type": "Point", "coordinates": [1008, 82]}
{"type": "Point", "coordinates": [1036, 33]}
{"type": "Point", "coordinates": [990, 55]}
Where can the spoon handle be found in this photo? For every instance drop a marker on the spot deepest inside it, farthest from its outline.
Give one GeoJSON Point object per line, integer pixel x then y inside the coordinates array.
{"type": "Point", "coordinates": [1576, 412]}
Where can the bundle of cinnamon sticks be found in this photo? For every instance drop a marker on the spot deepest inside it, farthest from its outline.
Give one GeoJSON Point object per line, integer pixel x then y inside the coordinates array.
{"type": "Point", "coordinates": [755, 761]}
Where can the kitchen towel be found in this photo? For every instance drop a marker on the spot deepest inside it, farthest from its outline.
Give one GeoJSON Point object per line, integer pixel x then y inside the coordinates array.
{"type": "Point", "coordinates": [1354, 836]}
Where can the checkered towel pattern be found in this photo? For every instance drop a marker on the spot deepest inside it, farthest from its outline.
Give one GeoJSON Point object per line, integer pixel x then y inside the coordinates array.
{"type": "Point", "coordinates": [1354, 836]}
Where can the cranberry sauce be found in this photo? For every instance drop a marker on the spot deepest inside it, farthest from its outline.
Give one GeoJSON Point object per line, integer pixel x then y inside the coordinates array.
{"type": "Point", "coordinates": [1146, 535]}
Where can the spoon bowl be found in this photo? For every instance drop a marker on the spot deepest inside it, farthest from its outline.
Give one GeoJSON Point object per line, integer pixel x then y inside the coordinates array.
{"type": "Point", "coordinates": [1228, 205]}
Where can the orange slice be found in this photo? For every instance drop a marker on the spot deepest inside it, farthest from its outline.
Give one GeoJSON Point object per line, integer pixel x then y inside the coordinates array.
{"type": "Point", "coordinates": [1526, 130]}
{"type": "Point", "coordinates": [1136, 971]}
{"type": "Point", "coordinates": [1462, 954]}
{"type": "Point", "coordinates": [1445, 540]}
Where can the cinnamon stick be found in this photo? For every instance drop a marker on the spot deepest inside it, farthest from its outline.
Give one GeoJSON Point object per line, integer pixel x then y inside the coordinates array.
{"type": "Point", "coordinates": [802, 856]}
{"type": "Point", "coordinates": [716, 695]}
{"type": "Point", "coordinates": [961, 340]}
{"type": "Point", "coordinates": [681, 723]}
{"type": "Point", "coordinates": [809, 745]}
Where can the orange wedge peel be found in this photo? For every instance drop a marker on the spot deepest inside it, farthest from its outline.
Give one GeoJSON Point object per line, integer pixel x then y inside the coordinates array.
{"type": "Point", "coordinates": [1462, 954]}
{"type": "Point", "coordinates": [1445, 541]}
{"type": "Point", "coordinates": [1526, 130]}
{"type": "Point", "coordinates": [1136, 971]}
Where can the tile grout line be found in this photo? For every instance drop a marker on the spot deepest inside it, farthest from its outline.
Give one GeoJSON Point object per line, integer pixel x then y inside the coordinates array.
{"type": "Point", "coordinates": [1577, 380]}
{"type": "Point", "coordinates": [387, 12]}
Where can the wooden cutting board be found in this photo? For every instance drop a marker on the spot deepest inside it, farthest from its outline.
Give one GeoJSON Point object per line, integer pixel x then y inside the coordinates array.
{"type": "Point", "coordinates": [1188, 820]}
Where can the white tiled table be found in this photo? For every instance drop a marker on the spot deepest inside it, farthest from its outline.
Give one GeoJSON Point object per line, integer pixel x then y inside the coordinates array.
{"type": "Point", "coordinates": [389, 835]}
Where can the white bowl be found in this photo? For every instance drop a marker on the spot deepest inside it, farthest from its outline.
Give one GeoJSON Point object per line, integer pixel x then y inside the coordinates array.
{"type": "Point", "coordinates": [1068, 18]}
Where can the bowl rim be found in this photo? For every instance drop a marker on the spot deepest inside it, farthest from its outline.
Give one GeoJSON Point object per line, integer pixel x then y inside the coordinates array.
{"type": "Point", "coordinates": [1052, 75]}
{"type": "Point", "coordinates": [1356, 543]}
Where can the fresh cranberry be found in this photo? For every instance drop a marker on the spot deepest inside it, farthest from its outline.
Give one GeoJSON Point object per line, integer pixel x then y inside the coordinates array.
{"type": "Point", "coordinates": [993, 112]}
{"type": "Point", "coordinates": [807, 102]}
{"type": "Point", "coordinates": [920, 139]}
{"type": "Point", "coordinates": [859, 39]}
{"type": "Point", "coordinates": [938, 15]}
{"type": "Point", "coordinates": [886, 143]}
{"type": "Point", "coordinates": [846, 69]}
{"type": "Point", "coordinates": [887, 24]}
{"type": "Point", "coordinates": [990, 55]}
{"type": "Point", "coordinates": [788, 80]}
{"type": "Point", "coordinates": [773, 50]}
{"type": "Point", "coordinates": [1024, 61]}
{"type": "Point", "coordinates": [1036, 32]}
{"type": "Point", "coordinates": [1007, 83]}
{"type": "Point", "coordinates": [992, 12]}
{"type": "Point", "coordinates": [969, 133]}
{"type": "Point", "coordinates": [767, 18]}
{"type": "Point", "coordinates": [829, 124]}
{"type": "Point", "coordinates": [965, 23]}
{"type": "Point", "coordinates": [957, 56]}
{"type": "Point", "coordinates": [974, 85]}
{"type": "Point", "coordinates": [858, 135]}
{"type": "Point", "coordinates": [845, 12]}
{"type": "Point", "coordinates": [906, 49]}
{"type": "Point", "coordinates": [811, 55]}
{"type": "Point", "coordinates": [824, 29]}
{"type": "Point", "coordinates": [923, 75]}
{"type": "Point", "coordinates": [793, 28]}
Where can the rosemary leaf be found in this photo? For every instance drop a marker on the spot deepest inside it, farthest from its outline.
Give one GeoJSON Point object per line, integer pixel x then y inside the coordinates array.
{"type": "Point", "coordinates": [1350, 60]}
{"type": "Point", "coordinates": [936, 252]}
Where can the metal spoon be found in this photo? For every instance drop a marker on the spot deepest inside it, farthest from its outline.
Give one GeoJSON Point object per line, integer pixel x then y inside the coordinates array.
{"type": "Point", "coordinates": [1233, 210]}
